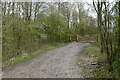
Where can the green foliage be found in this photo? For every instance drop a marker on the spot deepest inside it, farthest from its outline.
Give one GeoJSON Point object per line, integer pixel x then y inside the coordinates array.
{"type": "Point", "coordinates": [55, 28]}
{"type": "Point", "coordinates": [19, 37]}
{"type": "Point", "coordinates": [24, 32]}
{"type": "Point", "coordinates": [116, 68]}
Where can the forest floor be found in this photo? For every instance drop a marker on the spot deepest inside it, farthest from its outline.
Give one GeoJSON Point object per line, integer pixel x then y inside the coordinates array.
{"type": "Point", "coordinates": [68, 61]}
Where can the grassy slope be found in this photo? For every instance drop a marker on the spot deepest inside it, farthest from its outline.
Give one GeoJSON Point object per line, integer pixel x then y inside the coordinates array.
{"type": "Point", "coordinates": [25, 57]}
{"type": "Point", "coordinates": [95, 50]}
{"type": "Point", "coordinates": [102, 72]}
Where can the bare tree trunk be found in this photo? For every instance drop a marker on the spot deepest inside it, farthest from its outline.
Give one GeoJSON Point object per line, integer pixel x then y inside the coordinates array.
{"type": "Point", "coordinates": [35, 12]}
{"type": "Point", "coordinates": [119, 25]}
{"type": "Point", "coordinates": [26, 11]}
{"type": "Point", "coordinates": [9, 7]}
{"type": "Point", "coordinates": [4, 8]}
{"type": "Point", "coordinates": [37, 7]}
{"type": "Point", "coordinates": [13, 7]}
{"type": "Point", "coordinates": [29, 17]}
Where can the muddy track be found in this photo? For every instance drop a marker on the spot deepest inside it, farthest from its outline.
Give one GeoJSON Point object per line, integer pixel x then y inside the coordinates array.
{"type": "Point", "coordinates": [57, 63]}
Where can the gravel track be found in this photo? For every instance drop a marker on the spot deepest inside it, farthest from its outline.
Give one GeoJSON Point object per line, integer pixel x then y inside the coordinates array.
{"type": "Point", "coordinates": [58, 63]}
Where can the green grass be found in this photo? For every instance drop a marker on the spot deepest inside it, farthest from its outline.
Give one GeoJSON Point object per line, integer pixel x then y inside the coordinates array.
{"type": "Point", "coordinates": [25, 57]}
{"type": "Point", "coordinates": [103, 71]}
{"type": "Point", "coordinates": [95, 50]}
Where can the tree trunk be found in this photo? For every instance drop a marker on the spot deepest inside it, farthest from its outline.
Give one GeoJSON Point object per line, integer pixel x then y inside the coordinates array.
{"type": "Point", "coordinates": [119, 25]}
{"type": "Point", "coordinates": [13, 7]}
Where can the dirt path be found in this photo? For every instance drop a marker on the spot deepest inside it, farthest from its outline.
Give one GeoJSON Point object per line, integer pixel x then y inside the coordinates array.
{"type": "Point", "coordinates": [58, 63]}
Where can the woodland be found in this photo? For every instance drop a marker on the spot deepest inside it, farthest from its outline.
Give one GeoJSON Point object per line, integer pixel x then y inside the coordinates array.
{"type": "Point", "coordinates": [27, 26]}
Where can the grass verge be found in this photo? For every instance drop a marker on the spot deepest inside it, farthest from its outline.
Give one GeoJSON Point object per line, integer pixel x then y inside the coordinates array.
{"type": "Point", "coordinates": [25, 57]}
{"type": "Point", "coordinates": [102, 69]}
{"type": "Point", "coordinates": [95, 50]}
